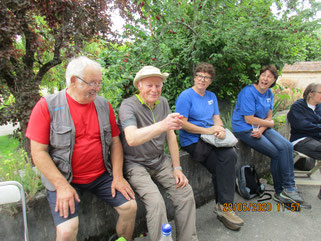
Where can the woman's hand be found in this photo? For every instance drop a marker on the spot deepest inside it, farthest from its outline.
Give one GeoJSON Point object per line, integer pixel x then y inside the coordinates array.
{"type": "Point", "coordinates": [215, 129]}
{"type": "Point", "coordinates": [256, 133]}
{"type": "Point", "coordinates": [220, 134]}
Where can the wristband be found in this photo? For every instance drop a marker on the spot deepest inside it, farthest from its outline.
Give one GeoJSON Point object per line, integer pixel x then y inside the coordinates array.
{"type": "Point", "coordinates": [178, 168]}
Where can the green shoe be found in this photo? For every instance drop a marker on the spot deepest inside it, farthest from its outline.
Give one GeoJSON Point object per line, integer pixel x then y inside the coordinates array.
{"type": "Point", "coordinates": [121, 239]}
{"type": "Point", "coordinates": [114, 237]}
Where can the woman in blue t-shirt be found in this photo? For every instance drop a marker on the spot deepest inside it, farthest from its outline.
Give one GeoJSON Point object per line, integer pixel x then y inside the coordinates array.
{"type": "Point", "coordinates": [252, 123]}
{"type": "Point", "coordinates": [201, 116]}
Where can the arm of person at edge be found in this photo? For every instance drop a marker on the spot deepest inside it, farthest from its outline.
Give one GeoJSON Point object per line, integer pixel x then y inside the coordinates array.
{"type": "Point", "coordinates": [181, 180]}
{"type": "Point", "coordinates": [119, 182]}
{"type": "Point", "coordinates": [217, 129]}
{"type": "Point", "coordinates": [137, 136]}
{"type": "Point", "coordinates": [66, 194]}
{"type": "Point", "coordinates": [263, 123]}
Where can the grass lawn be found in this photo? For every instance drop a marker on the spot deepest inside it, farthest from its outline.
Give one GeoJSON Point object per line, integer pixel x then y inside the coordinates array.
{"type": "Point", "coordinates": [8, 148]}
{"type": "Point", "coordinates": [15, 167]}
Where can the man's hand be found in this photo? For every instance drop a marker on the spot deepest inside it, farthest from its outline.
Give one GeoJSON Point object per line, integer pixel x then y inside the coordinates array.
{"type": "Point", "coordinates": [121, 185]}
{"type": "Point", "coordinates": [256, 134]}
{"type": "Point", "coordinates": [181, 180]}
{"type": "Point", "coordinates": [66, 196]}
{"type": "Point", "coordinates": [172, 122]}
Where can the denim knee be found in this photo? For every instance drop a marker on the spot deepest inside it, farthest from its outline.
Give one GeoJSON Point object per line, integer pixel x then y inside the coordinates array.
{"type": "Point", "coordinates": [286, 145]}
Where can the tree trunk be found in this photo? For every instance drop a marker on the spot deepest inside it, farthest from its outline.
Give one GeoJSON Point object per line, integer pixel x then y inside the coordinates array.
{"type": "Point", "coordinates": [25, 142]}
{"type": "Point", "coordinates": [26, 96]}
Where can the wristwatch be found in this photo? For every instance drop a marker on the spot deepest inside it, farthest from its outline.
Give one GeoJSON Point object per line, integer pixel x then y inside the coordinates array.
{"type": "Point", "coordinates": [178, 168]}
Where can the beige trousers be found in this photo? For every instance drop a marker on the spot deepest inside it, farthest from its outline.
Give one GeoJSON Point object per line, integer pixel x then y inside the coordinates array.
{"type": "Point", "coordinates": [141, 180]}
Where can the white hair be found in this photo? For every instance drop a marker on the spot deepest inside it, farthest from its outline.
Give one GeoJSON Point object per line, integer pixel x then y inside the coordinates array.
{"type": "Point", "coordinates": [77, 66]}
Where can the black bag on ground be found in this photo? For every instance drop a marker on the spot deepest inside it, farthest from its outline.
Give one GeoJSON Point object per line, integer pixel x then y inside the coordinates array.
{"type": "Point", "coordinates": [305, 164]}
{"type": "Point", "coordinates": [247, 182]}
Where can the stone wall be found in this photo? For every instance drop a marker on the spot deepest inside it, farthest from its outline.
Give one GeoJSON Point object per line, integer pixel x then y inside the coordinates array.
{"type": "Point", "coordinates": [302, 73]}
{"type": "Point", "coordinates": [303, 79]}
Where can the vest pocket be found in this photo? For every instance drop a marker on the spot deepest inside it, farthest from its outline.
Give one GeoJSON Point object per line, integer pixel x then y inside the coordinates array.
{"type": "Point", "coordinates": [60, 136]}
{"type": "Point", "coordinates": [60, 148]}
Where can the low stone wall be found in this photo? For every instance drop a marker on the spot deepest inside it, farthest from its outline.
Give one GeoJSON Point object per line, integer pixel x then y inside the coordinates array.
{"type": "Point", "coordinates": [97, 219]}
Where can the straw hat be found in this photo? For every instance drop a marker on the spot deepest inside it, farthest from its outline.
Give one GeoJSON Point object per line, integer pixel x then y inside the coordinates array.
{"type": "Point", "coordinates": [149, 71]}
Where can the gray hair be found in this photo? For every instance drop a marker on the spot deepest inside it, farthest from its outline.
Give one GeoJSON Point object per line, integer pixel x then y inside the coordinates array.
{"type": "Point", "coordinates": [77, 66]}
{"type": "Point", "coordinates": [310, 89]}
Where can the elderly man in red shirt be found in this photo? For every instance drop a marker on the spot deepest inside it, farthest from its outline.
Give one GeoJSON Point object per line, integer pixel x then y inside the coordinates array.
{"type": "Point", "coordinates": [72, 134]}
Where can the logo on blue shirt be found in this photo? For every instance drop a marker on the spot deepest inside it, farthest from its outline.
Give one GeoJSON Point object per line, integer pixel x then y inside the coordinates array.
{"type": "Point", "coordinates": [210, 102]}
{"type": "Point", "coordinates": [268, 100]}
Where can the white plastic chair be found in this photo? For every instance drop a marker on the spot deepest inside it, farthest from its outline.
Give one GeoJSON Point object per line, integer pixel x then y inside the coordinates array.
{"type": "Point", "coordinates": [12, 192]}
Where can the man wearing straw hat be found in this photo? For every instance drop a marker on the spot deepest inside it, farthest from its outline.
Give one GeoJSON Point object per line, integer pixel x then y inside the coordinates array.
{"type": "Point", "coordinates": [146, 122]}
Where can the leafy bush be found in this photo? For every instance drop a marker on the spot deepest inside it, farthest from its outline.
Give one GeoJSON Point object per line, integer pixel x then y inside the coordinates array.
{"type": "Point", "coordinates": [16, 166]}
{"type": "Point", "coordinates": [227, 117]}
{"type": "Point", "coordinates": [285, 94]}
{"type": "Point", "coordinates": [279, 121]}
{"type": "Point", "coordinates": [237, 37]}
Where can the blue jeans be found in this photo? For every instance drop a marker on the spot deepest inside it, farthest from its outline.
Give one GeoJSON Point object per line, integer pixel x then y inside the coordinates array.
{"type": "Point", "coordinates": [280, 150]}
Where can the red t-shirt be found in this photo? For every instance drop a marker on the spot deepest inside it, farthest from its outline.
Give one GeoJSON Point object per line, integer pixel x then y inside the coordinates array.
{"type": "Point", "coordinates": [87, 159]}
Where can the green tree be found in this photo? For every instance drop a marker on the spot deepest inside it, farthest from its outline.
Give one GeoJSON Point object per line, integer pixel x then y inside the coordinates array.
{"type": "Point", "coordinates": [38, 35]}
{"type": "Point", "coordinates": [238, 37]}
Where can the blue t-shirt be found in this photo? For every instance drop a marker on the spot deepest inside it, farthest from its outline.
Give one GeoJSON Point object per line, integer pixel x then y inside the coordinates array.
{"type": "Point", "coordinates": [199, 110]}
{"type": "Point", "coordinates": [251, 102]}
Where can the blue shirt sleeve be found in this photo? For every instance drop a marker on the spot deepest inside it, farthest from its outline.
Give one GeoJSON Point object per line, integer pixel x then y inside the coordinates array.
{"type": "Point", "coordinates": [182, 104]}
{"type": "Point", "coordinates": [247, 102]}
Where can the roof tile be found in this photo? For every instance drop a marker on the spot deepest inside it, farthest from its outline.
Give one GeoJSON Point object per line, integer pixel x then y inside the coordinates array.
{"type": "Point", "coordinates": [313, 66]}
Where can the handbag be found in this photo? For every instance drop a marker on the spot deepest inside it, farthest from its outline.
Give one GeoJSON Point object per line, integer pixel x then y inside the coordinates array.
{"type": "Point", "coordinates": [229, 141]}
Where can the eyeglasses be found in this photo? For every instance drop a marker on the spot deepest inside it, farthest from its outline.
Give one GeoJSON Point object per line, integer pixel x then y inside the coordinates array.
{"type": "Point", "coordinates": [202, 77]}
{"type": "Point", "coordinates": [158, 86]}
{"type": "Point", "coordinates": [91, 84]}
